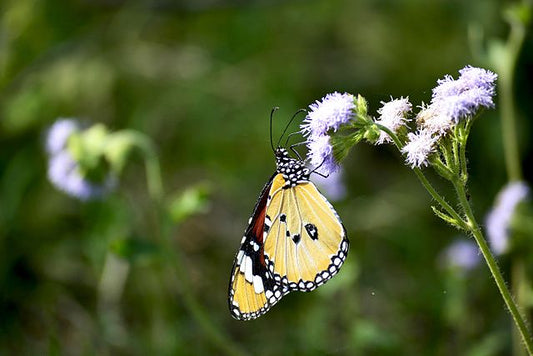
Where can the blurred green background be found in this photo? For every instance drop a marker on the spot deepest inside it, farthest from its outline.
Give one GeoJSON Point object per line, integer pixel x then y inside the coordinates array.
{"type": "Point", "coordinates": [200, 77]}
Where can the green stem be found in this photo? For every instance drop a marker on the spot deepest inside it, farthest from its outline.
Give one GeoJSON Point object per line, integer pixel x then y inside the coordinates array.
{"type": "Point", "coordinates": [153, 170]}
{"type": "Point", "coordinates": [442, 202]}
{"type": "Point", "coordinates": [474, 228]}
{"type": "Point", "coordinates": [432, 191]}
{"type": "Point", "coordinates": [506, 91]}
{"type": "Point", "coordinates": [155, 189]}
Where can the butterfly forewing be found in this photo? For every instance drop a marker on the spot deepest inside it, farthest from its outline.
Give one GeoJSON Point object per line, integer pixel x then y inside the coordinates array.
{"type": "Point", "coordinates": [307, 243]}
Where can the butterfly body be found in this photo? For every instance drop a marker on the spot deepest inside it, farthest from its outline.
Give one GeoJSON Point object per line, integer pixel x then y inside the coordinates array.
{"type": "Point", "coordinates": [295, 241]}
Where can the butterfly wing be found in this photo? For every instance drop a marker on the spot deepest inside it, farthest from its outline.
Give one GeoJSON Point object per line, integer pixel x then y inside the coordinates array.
{"type": "Point", "coordinates": [307, 243]}
{"type": "Point", "coordinates": [252, 289]}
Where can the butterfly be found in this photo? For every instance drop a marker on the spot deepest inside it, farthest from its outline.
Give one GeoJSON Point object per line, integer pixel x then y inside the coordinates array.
{"type": "Point", "coordinates": [295, 241]}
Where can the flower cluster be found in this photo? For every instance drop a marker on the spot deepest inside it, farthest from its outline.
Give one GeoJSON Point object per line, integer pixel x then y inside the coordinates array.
{"type": "Point", "coordinates": [452, 100]}
{"type": "Point", "coordinates": [499, 219]}
{"type": "Point", "coordinates": [329, 114]}
{"type": "Point", "coordinates": [393, 115]}
{"type": "Point", "coordinates": [64, 169]}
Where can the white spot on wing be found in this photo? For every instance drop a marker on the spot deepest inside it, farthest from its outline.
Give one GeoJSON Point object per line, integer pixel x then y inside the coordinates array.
{"type": "Point", "coordinates": [248, 274]}
{"type": "Point", "coordinates": [258, 284]}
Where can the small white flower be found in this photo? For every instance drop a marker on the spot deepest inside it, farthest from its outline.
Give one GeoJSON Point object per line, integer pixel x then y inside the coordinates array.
{"type": "Point", "coordinates": [393, 116]}
{"type": "Point", "coordinates": [434, 120]}
{"type": "Point", "coordinates": [420, 146]}
{"type": "Point", "coordinates": [500, 217]}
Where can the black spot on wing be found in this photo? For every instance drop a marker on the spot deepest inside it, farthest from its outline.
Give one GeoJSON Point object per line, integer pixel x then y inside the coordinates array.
{"type": "Point", "coordinates": [311, 231]}
{"type": "Point", "coordinates": [296, 238]}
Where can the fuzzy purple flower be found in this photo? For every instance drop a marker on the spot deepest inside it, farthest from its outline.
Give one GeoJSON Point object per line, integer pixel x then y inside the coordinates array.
{"type": "Point", "coordinates": [332, 186]}
{"type": "Point", "coordinates": [420, 146]}
{"type": "Point", "coordinates": [320, 154]}
{"type": "Point", "coordinates": [331, 112]}
{"type": "Point", "coordinates": [463, 97]}
{"type": "Point", "coordinates": [498, 220]}
{"type": "Point", "coordinates": [463, 254]}
{"type": "Point", "coordinates": [393, 116]}
{"type": "Point", "coordinates": [432, 120]}
{"type": "Point", "coordinates": [64, 171]}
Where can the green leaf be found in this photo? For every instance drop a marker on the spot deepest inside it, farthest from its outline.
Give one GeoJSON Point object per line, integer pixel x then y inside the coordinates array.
{"type": "Point", "coordinates": [447, 218]}
{"type": "Point", "coordinates": [193, 200]}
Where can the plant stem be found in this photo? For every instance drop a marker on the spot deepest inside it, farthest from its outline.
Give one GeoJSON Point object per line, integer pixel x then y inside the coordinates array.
{"type": "Point", "coordinates": [508, 118]}
{"type": "Point", "coordinates": [442, 202]}
{"type": "Point", "coordinates": [155, 190]}
{"type": "Point", "coordinates": [475, 230]}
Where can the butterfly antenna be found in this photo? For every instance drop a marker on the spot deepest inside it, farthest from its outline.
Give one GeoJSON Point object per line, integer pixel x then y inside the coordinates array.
{"type": "Point", "coordinates": [271, 116]}
{"type": "Point", "coordinates": [290, 122]}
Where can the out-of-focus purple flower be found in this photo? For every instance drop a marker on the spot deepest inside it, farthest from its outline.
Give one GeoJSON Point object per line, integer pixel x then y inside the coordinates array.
{"type": "Point", "coordinates": [393, 116]}
{"type": "Point", "coordinates": [420, 146]}
{"type": "Point", "coordinates": [64, 171]}
{"type": "Point", "coordinates": [58, 133]}
{"type": "Point", "coordinates": [320, 154]}
{"type": "Point", "coordinates": [331, 112]}
{"type": "Point", "coordinates": [463, 97]}
{"type": "Point", "coordinates": [499, 218]}
{"type": "Point", "coordinates": [463, 254]}
{"type": "Point", "coordinates": [332, 186]}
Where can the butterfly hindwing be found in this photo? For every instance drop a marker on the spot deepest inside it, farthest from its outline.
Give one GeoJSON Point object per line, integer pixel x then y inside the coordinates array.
{"type": "Point", "coordinates": [307, 243]}
{"type": "Point", "coordinates": [252, 290]}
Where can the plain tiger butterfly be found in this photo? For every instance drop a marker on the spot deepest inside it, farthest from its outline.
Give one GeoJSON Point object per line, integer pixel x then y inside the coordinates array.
{"type": "Point", "coordinates": [295, 241]}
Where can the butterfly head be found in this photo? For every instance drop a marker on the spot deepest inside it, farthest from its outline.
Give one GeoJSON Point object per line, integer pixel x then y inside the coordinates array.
{"type": "Point", "coordinates": [293, 170]}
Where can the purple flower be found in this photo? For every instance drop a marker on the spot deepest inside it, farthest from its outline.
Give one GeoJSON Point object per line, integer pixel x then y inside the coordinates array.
{"type": "Point", "coordinates": [320, 154]}
{"type": "Point", "coordinates": [393, 116]}
{"type": "Point", "coordinates": [463, 97]}
{"type": "Point", "coordinates": [463, 254]}
{"type": "Point", "coordinates": [499, 218]}
{"type": "Point", "coordinates": [332, 111]}
{"type": "Point", "coordinates": [58, 133]}
{"type": "Point", "coordinates": [332, 186]}
{"type": "Point", "coordinates": [64, 171]}
{"type": "Point", "coordinates": [420, 146]}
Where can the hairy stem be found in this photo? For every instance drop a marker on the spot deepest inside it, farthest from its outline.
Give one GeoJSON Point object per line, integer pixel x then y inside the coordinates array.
{"type": "Point", "coordinates": [475, 230]}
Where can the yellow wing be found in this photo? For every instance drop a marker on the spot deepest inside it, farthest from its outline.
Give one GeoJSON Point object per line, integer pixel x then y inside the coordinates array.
{"type": "Point", "coordinates": [252, 290]}
{"type": "Point", "coordinates": [306, 244]}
